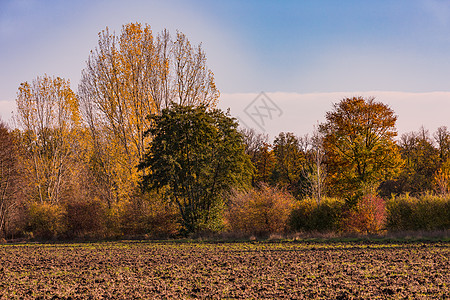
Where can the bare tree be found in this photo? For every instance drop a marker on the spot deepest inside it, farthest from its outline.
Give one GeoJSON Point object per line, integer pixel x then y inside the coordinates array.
{"type": "Point", "coordinates": [253, 141]}
{"type": "Point", "coordinates": [442, 138]}
{"type": "Point", "coordinates": [8, 176]}
{"type": "Point", "coordinates": [318, 175]}
{"type": "Point", "coordinates": [315, 169]}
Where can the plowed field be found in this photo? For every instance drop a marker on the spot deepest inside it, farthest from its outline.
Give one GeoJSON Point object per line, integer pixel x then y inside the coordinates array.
{"type": "Point", "coordinates": [259, 270]}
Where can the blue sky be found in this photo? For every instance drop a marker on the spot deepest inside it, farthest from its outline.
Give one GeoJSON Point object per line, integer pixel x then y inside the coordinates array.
{"type": "Point", "coordinates": [302, 47]}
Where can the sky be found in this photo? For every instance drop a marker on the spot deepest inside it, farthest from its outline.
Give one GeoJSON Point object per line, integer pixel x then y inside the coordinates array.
{"type": "Point", "coordinates": [303, 56]}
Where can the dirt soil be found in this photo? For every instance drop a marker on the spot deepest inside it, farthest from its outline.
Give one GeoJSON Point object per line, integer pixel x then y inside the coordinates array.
{"type": "Point", "coordinates": [255, 270]}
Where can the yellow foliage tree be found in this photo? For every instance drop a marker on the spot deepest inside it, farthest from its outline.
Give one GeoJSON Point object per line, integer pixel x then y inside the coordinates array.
{"type": "Point", "coordinates": [129, 77]}
{"type": "Point", "coordinates": [47, 112]}
{"type": "Point", "coordinates": [441, 178]}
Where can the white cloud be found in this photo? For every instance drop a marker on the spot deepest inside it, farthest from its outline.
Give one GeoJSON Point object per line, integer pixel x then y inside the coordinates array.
{"type": "Point", "coordinates": [300, 112]}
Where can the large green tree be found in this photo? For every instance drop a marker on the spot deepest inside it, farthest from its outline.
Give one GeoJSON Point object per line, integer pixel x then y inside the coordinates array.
{"type": "Point", "coordinates": [196, 156]}
{"type": "Point", "coordinates": [359, 145]}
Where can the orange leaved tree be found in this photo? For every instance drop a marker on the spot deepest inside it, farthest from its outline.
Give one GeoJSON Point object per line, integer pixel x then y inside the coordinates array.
{"type": "Point", "coordinates": [359, 145]}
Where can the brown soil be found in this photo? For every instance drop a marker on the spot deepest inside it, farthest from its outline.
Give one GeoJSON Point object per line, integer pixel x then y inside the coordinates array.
{"type": "Point", "coordinates": [129, 270]}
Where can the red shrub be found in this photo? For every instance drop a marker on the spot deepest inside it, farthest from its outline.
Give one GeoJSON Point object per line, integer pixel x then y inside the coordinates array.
{"type": "Point", "coordinates": [367, 216]}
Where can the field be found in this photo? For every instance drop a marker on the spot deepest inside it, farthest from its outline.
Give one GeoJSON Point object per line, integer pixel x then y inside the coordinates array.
{"type": "Point", "coordinates": [255, 270]}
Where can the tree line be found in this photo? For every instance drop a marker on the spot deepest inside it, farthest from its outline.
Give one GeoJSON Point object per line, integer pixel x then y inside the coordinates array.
{"type": "Point", "coordinates": [140, 149]}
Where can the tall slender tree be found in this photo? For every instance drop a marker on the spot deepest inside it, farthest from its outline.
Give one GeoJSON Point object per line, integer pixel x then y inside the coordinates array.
{"type": "Point", "coordinates": [315, 171]}
{"type": "Point", "coordinates": [47, 112]}
{"type": "Point", "coordinates": [8, 176]}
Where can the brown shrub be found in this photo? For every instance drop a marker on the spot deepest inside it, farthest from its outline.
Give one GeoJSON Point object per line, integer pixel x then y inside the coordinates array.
{"type": "Point", "coordinates": [45, 220]}
{"type": "Point", "coordinates": [86, 218]}
{"type": "Point", "coordinates": [261, 211]}
{"type": "Point", "coordinates": [151, 216]}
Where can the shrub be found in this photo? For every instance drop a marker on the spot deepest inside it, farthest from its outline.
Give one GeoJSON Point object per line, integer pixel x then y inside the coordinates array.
{"type": "Point", "coordinates": [85, 218]}
{"type": "Point", "coordinates": [150, 215]}
{"type": "Point", "coordinates": [308, 215]}
{"type": "Point", "coordinates": [367, 216]}
{"type": "Point", "coordinates": [426, 212]}
{"type": "Point", "coordinates": [45, 220]}
{"type": "Point", "coordinates": [261, 211]}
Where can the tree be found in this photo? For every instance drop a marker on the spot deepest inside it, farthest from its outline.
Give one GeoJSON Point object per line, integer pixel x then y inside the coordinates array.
{"type": "Point", "coordinates": [421, 162]}
{"type": "Point", "coordinates": [47, 112]}
{"type": "Point", "coordinates": [253, 141]}
{"type": "Point", "coordinates": [442, 175]}
{"type": "Point", "coordinates": [315, 171]}
{"type": "Point", "coordinates": [195, 157]}
{"type": "Point", "coordinates": [442, 138]}
{"type": "Point", "coordinates": [424, 164]}
{"type": "Point", "coordinates": [359, 145]}
{"type": "Point", "coordinates": [8, 176]}
{"type": "Point", "coordinates": [128, 77]}
{"type": "Point", "coordinates": [441, 179]}
{"type": "Point", "coordinates": [289, 162]}
{"type": "Point", "coordinates": [264, 162]}
{"type": "Point", "coordinates": [261, 154]}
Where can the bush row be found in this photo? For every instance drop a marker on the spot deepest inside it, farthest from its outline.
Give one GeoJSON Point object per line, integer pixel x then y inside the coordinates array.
{"type": "Point", "coordinates": [428, 212]}
{"type": "Point", "coordinates": [259, 212]}
{"type": "Point", "coordinates": [373, 214]}
{"type": "Point", "coordinates": [93, 219]}
{"type": "Point", "coordinates": [368, 216]}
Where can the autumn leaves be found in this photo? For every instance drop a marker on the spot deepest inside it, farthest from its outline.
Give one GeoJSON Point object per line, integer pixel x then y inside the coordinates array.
{"type": "Point", "coordinates": [144, 92]}
{"type": "Point", "coordinates": [127, 78]}
{"type": "Point", "coordinates": [87, 145]}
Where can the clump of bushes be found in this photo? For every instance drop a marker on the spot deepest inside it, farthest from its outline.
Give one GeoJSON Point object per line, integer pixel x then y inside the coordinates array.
{"type": "Point", "coordinates": [151, 216]}
{"type": "Point", "coordinates": [76, 219]}
{"type": "Point", "coordinates": [145, 215]}
{"type": "Point", "coordinates": [426, 212]}
{"type": "Point", "coordinates": [85, 218]}
{"type": "Point", "coordinates": [45, 220]}
{"type": "Point", "coordinates": [368, 216]}
{"type": "Point", "coordinates": [310, 215]}
{"type": "Point", "coordinates": [261, 211]}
